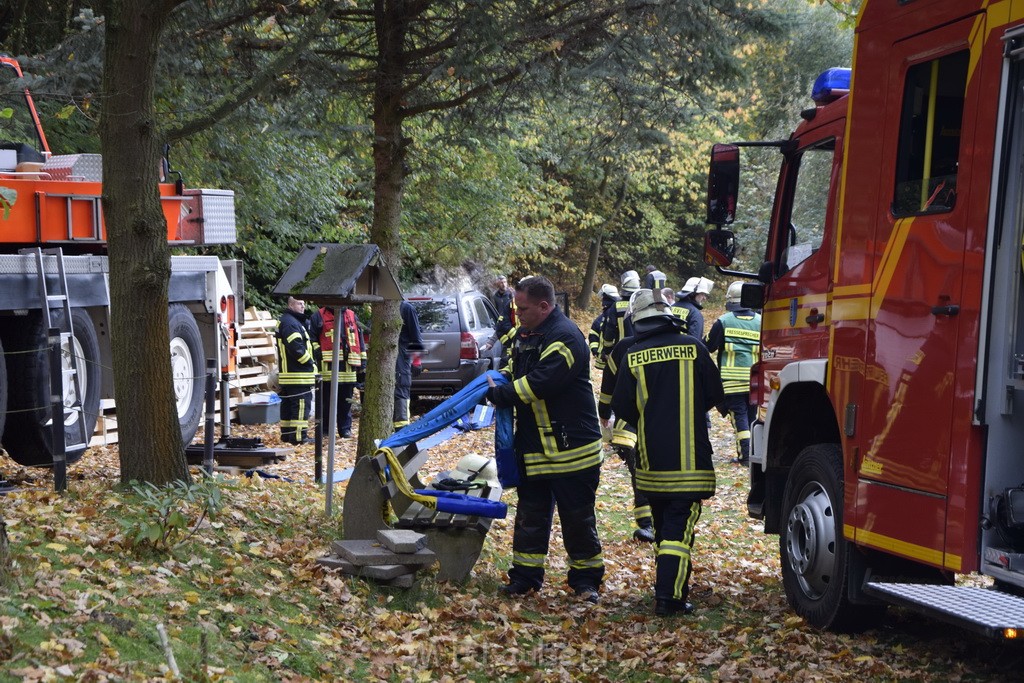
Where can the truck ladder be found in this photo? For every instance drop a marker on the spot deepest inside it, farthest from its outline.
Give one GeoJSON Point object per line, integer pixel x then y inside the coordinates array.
{"type": "Point", "coordinates": [51, 302]}
{"type": "Point", "coordinates": [990, 612]}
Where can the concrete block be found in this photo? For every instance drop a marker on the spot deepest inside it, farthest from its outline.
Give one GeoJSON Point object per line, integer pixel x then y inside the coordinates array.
{"type": "Point", "coordinates": [401, 540]}
{"type": "Point", "coordinates": [372, 571]}
{"type": "Point", "coordinates": [405, 581]}
{"type": "Point", "coordinates": [362, 553]}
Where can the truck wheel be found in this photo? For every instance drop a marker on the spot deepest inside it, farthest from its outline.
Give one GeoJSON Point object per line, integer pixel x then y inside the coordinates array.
{"type": "Point", "coordinates": [814, 554]}
{"type": "Point", "coordinates": [26, 435]}
{"type": "Point", "coordinates": [187, 368]}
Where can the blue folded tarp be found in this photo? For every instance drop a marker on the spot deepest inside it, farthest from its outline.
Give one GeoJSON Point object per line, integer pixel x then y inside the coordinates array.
{"type": "Point", "coordinates": [446, 414]}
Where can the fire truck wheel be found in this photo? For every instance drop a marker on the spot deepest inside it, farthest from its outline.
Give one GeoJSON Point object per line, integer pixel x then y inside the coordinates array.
{"type": "Point", "coordinates": [814, 554]}
{"type": "Point", "coordinates": [27, 436]}
{"type": "Point", "coordinates": [187, 367]}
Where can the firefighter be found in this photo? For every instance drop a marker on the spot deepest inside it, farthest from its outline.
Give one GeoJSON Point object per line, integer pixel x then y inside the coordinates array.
{"type": "Point", "coordinates": [609, 296]}
{"type": "Point", "coordinates": [736, 337]}
{"type": "Point", "coordinates": [675, 309]}
{"type": "Point", "coordinates": [502, 296]}
{"type": "Point", "coordinates": [617, 327]}
{"type": "Point", "coordinates": [297, 372]}
{"type": "Point", "coordinates": [557, 442]}
{"type": "Point", "coordinates": [623, 440]}
{"type": "Point", "coordinates": [410, 345]}
{"type": "Point", "coordinates": [692, 297]}
{"type": "Point", "coordinates": [665, 385]}
{"type": "Point", "coordinates": [654, 279]}
{"type": "Point", "coordinates": [351, 363]}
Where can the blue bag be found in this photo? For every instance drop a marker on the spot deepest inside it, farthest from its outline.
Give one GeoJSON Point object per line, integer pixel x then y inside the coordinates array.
{"type": "Point", "coordinates": [504, 448]}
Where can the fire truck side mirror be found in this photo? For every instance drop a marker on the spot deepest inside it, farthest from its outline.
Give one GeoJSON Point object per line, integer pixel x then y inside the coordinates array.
{"type": "Point", "coordinates": [719, 247]}
{"type": "Point", "coordinates": [752, 295]}
{"type": "Point", "coordinates": [723, 184]}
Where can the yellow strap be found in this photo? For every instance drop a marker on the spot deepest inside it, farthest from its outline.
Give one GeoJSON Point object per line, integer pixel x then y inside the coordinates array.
{"type": "Point", "coordinates": [398, 476]}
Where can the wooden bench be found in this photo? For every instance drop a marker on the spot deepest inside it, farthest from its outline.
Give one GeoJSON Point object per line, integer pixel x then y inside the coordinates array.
{"type": "Point", "coordinates": [456, 539]}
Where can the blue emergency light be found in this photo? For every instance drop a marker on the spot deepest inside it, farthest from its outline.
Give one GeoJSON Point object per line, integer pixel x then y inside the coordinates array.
{"type": "Point", "coordinates": [831, 85]}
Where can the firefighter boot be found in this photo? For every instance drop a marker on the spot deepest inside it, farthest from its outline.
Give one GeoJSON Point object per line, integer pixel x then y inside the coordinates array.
{"type": "Point", "coordinates": [744, 456]}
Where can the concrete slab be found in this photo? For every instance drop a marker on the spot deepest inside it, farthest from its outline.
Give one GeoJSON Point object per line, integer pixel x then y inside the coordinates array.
{"type": "Point", "coordinates": [401, 540]}
{"type": "Point", "coordinates": [362, 514]}
{"type": "Point", "coordinates": [363, 552]}
{"type": "Point", "coordinates": [381, 571]}
{"type": "Point", "coordinates": [401, 581]}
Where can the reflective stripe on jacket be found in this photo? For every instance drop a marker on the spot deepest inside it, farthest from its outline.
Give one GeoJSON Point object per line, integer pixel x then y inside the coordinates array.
{"type": "Point", "coordinates": [664, 387]}
{"type": "Point", "coordinates": [736, 336]}
{"type": "Point", "coordinates": [557, 431]}
{"type": "Point", "coordinates": [294, 352]}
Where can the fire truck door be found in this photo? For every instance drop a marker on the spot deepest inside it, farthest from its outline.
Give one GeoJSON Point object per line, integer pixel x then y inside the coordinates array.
{"type": "Point", "coordinates": [906, 415]}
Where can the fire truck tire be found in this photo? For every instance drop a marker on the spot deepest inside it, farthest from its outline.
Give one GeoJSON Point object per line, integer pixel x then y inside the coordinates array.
{"type": "Point", "coordinates": [187, 367]}
{"type": "Point", "coordinates": [26, 436]}
{"type": "Point", "coordinates": [814, 554]}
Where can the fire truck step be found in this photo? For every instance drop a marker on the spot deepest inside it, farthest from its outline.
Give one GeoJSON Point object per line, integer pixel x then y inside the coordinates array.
{"type": "Point", "coordinates": [991, 612]}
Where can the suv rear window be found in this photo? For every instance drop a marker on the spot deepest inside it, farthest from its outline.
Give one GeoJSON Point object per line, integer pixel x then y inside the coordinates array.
{"type": "Point", "coordinates": [436, 315]}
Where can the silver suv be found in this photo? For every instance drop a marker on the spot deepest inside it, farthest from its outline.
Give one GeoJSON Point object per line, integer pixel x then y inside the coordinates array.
{"type": "Point", "coordinates": [454, 327]}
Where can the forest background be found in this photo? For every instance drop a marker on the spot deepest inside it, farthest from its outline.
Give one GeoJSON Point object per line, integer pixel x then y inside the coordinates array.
{"type": "Point", "coordinates": [594, 169]}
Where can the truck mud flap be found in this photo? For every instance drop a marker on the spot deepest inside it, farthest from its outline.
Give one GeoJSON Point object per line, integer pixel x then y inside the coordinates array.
{"type": "Point", "coordinates": [987, 611]}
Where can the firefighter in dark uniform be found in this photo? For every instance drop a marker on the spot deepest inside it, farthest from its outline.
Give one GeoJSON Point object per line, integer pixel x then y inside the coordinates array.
{"type": "Point", "coordinates": [623, 440]}
{"type": "Point", "coordinates": [557, 442]}
{"type": "Point", "coordinates": [665, 385]}
{"type": "Point", "coordinates": [736, 336]}
{"type": "Point", "coordinates": [502, 296]}
{"type": "Point", "coordinates": [297, 372]}
{"type": "Point", "coordinates": [350, 364]}
{"type": "Point", "coordinates": [654, 279]}
{"type": "Point", "coordinates": [674, 308]}
{"type": "Point", "coordinates": [609, 297]}
{"type": "Point", "coordinates": [692, 297]}
{"type": "Point", "coordinates": [410, 345]}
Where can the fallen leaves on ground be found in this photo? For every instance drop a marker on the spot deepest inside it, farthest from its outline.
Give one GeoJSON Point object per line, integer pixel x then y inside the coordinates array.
{"type": "Point", "coordinates": [244, 599]}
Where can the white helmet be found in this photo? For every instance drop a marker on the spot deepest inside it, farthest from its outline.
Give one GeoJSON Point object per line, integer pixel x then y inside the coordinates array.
{"type": "Point", "coordinates": [704, 286]}
{"type": "Point", "coordinates": [630, 280]}
{"type": "Point", "coordinates": [646, 304]}
{"type": "Point", "coordinates": [691, 286]}
{"type": "Point", "coordinates": [732, 296]}
{"type": "Point", "coordinates": [609, 291]}
{"type": "Point", "coordinates": [474, 467]}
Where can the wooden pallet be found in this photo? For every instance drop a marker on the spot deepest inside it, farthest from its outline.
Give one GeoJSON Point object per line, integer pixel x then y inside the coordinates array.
{"type": "Point", "coordinates": [257, 355]}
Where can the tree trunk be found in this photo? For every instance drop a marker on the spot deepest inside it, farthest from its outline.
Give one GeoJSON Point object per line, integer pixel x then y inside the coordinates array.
{"type": "Point", "coordinates": [583, 301]}
{"type": "Point", "coordinates": [149, 436]}
{"type": "Point", "coordinates": [389, 185]}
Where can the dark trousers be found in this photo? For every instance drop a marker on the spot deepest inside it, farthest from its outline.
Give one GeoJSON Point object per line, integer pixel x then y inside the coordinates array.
{"type": "Point", "coordinates": [641, 506]}
{"type": "Point", "coordinates": [346, 390]}
{"type": "Point", "coordinates": [575, 495]}
{"type": "Point", "coordinates": [296, 400]}
{"type": "Point", "coordinates": [742, 413]}
{"type": "Point", "coordinates": [675, 520]}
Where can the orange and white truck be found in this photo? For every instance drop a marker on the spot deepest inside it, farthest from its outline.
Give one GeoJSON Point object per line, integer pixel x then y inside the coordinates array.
{"type": "Point", "coordinates": [54, 274]}
{"type": "Point", "coordinates": [888, 450]}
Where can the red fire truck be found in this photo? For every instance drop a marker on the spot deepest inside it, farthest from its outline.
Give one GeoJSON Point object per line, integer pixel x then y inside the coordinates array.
{"type": "Point", "coordinates": [54, 274]}
{"type": "Point", "coordinates": [888, 453]}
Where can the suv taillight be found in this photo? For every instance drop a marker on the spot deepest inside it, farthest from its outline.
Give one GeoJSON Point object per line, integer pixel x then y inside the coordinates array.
{"type": "Point", "coordinates": [468, 350]}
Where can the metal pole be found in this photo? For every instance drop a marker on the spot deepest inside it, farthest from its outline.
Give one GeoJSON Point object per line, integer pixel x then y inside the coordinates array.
{"type": "Point", "coordinates": [211, 407]}
{"type": "Point", "coordinates": [225, 404]}
{"type": "Point", "coordinates": [60, 463]}
{"type": "Point", "coordinates": [318, 432]}
{"type": "Point", "coordinates": [332, 407]}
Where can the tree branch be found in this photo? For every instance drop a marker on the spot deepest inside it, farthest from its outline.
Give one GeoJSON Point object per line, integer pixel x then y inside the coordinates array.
{"type": "Point", "coordinates": [231, 102]}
